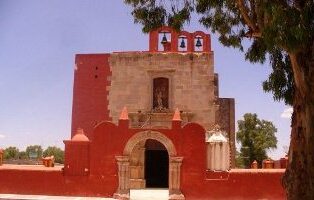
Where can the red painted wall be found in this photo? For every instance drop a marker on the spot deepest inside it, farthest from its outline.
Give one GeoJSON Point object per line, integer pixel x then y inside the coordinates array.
{"type": "Point", "coordinates": [77, 165]}
{"type": "Point", "coordinates": [109, 141]}
{"type": "Point", "coordinates": [244, 185]}
{"type": "Point", "coordinates": [90, 104]}
{"type": "Point", "coordinates": [51, 182]}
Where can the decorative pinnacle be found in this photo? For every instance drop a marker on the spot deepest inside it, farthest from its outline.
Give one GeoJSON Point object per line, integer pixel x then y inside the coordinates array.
{"type": "Point", "coordinates": [80, 135]}
{"type": "Point", "coordinates": [176, 116]}
{"type": "Point", "coordinates": [124, 114]}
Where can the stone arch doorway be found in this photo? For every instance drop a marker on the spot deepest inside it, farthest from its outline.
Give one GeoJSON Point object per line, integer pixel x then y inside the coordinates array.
{"type": "Point", "coordinates": [156, 165]}
{"type": "Point", "coordinates": [124, 169]}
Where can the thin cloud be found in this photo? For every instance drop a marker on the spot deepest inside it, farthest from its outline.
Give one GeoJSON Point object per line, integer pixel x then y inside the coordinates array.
{"type": "Point", "coordinates": [2, 136]}
{"type": "Point", "coordinates": [287, 113]}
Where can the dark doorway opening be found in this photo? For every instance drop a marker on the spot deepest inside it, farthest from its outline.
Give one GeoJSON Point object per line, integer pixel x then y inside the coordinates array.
{"type": "Point", "coordinates": [156, 165]}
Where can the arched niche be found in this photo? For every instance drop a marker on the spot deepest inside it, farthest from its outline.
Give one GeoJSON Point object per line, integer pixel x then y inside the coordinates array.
{"type": "Point", "coordinates": [205, 40]}
{"type": "Point", "coordinates": [155, 39]}
{"type": "Point", "coordinates": [160, 97]}
{"type": "Point", "coordinates": [187, 38]}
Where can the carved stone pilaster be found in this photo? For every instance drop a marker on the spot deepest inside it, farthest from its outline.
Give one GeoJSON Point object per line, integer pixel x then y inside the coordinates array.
{"type": "Point", "coordinates": [123, 191]}
{"type": "Point", "coordinates": [174, 178]}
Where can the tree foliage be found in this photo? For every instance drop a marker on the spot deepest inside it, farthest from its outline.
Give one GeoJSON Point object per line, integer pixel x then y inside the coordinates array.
{"type": "Point", "coordinates": [239, 161]}
{"type": "Point", "coordinates": [274, 27]}
{"type": "Point", "coordinates": [11, 153]}
{"type": "Point", "coordinates": [34, 151]}
{"type": "Point", "coordinates": [256, 137]}
{"type": "Point", "coordinates": [56, 152]}
{"type": "Point", "coordinates": [23, 155]}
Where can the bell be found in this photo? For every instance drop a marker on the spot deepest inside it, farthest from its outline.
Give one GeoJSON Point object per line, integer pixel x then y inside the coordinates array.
{"type": "Point", "coordinates": [198, 42]}
{"type": "Point", "coordinates": [182, 45]}
{"type": "Point", "coordinates": [164, 39]}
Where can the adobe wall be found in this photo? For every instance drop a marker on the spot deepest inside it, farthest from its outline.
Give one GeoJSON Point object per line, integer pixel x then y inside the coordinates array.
{"type": "Point", "coordinates": [233, 185]}
{"type": "Point", "coordinates": [238, 184]}
{"type": "Point", "coordinates": [90, 103]}
{"type": "Point", "coordinates": [49, 181]}
{"type": "Point", "coordinates": [102, 177]}
{"type": "Point", "coordinates": [196, 181]}
{"type": "Point", "coordinates": [191, 83]}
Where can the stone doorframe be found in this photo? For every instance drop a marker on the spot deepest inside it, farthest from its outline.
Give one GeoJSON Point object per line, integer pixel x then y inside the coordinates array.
{"type": "Point", "coordinates": [123, 191]}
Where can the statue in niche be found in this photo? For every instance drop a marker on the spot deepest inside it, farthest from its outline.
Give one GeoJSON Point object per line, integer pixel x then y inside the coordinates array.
{"type": "Point", "coordinates": [160, 95]}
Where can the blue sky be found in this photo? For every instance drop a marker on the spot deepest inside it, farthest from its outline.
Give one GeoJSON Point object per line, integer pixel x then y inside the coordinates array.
{"type": "Point", "coordinates": [38, 42]}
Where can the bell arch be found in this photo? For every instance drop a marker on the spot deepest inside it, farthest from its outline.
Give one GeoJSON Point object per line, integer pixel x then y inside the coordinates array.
{"type": "Point", "coordinates": [123, 162]}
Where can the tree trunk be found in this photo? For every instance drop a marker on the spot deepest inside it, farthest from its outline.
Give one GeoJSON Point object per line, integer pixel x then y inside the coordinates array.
{"type": "Point", "coordinates": [299, 177]}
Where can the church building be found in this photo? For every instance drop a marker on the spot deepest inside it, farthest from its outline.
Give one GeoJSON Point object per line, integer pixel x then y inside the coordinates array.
{"type": "Point", "coordinates": [149, 119]}
{"type": "Point", "coordinates": [169, 97]}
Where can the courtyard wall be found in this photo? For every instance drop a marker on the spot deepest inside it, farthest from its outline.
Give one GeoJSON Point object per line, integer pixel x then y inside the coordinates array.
{"type": "Point", "coordinates": [101, 176]}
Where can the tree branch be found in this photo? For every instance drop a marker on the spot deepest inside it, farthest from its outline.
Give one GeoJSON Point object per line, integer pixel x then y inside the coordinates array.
{"type": "Point", "coordinates": [252, 34]}
{"type": "Point", "coordinates": [254, 31]}
{"type": "Point", "coordinates": [260, 15]}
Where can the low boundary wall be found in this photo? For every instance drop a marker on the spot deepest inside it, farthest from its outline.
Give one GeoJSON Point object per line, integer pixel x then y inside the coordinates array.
{"type": "Point", "coordinates": [235, 184]}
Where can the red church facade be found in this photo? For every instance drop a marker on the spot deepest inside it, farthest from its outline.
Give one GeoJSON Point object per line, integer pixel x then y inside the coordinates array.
{"type": "Point", "coordinates": [140, 120]}
{"type": "Point", "coordinates": [95, 169]}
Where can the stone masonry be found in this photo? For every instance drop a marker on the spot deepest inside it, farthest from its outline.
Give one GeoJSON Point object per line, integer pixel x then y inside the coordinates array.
{"type": "Point", "coordinates": [191, 78]}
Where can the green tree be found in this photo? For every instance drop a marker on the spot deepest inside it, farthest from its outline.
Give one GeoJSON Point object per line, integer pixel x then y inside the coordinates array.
{"type": "Point", "coordinates": [280, 29]}
{"type": "Point", "coordinates": [11, 153]}
{"type": "Point", "coordinates": [256, 137]}
{"type": "Point", "coordinates": [239, 162]}
{"type": "Point", "coordinates": [56, 152]}
{"type": "Point", "coordinates": [23, 155]}
{"type": "Point", "coordinates": [34, 151]}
